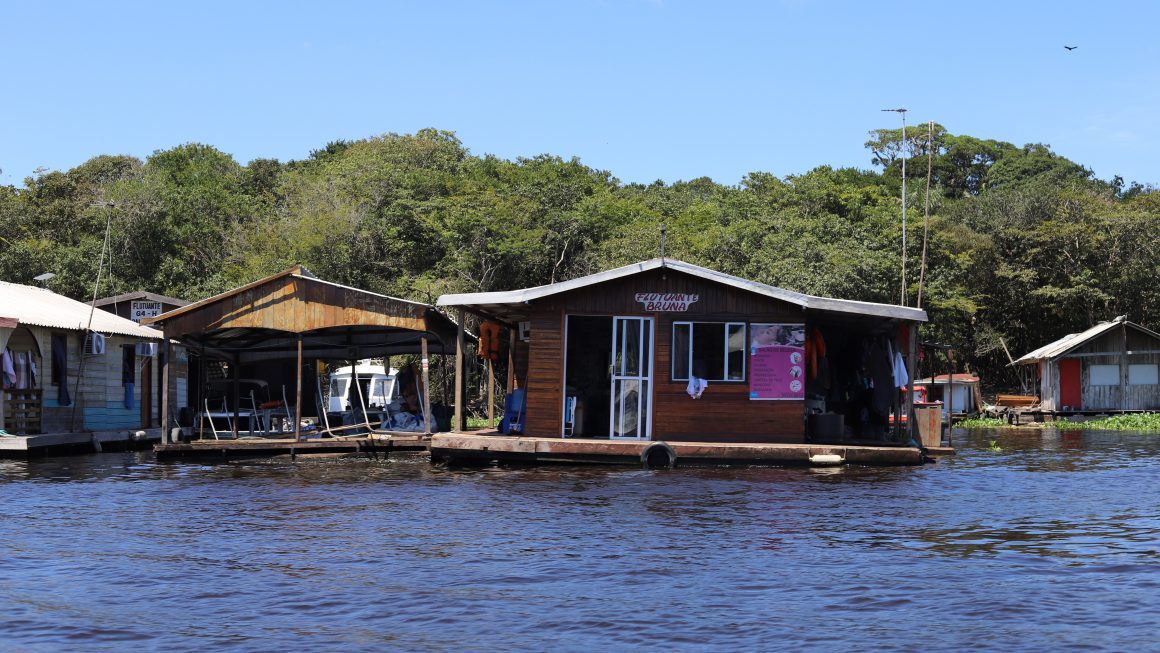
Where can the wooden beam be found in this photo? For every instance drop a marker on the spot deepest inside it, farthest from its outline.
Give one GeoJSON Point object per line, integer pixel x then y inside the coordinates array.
{"type": "Point", "coordinates": [460, 342]}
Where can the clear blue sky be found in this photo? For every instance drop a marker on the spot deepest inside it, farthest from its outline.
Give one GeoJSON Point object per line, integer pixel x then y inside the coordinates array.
{"type": "Point", "coordinates": [660, 89]}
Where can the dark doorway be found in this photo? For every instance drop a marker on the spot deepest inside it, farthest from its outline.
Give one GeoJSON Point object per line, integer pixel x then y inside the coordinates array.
{"type": "Point", "coordinates": [587, 376]}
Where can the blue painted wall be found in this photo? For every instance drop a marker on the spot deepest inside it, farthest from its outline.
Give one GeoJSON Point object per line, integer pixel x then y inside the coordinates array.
{"type": "Point", "coordinates": [112, 416]}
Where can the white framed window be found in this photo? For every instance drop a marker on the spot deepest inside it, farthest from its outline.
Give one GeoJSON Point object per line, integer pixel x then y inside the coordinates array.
{"type": "Point", "coordinates": [714, 351]}
{"type": "Point", "coordinates": [1143, 374]}
{"type": "Point", "coordinates": [1103, 375]}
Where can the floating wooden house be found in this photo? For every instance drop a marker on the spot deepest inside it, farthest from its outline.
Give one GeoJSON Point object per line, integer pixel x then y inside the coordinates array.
{"type": "Point", "coordinates": [958, 393]}
{"type": "Point", "coordinates": [715, 366]}
{"type": "Point", "coordinates": [1110, 367]}
{"type": "Point", "coordinates": [268, 335]}
{"type": "Point", "coordinates": [72, 375]}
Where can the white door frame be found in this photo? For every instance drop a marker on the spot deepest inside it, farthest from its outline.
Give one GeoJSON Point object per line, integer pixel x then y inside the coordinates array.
{"type": "Point", "coordinates": [642, 378]}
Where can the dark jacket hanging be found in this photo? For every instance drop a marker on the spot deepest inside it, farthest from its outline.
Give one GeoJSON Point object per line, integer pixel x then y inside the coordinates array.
{"type": "Point", "coordinates": [60, 368]}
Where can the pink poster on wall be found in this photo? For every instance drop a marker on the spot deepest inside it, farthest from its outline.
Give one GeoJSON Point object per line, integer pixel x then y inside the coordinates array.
{"type": "Point", "coordinates": [777, 361]}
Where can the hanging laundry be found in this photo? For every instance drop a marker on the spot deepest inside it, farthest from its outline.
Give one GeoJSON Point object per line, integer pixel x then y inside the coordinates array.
{"type": "Point", "coordinates": [815, 352]}
{"type": "Point", "coordinates": [697, 387]}
{"type": "Point", "coordinates": [20, 361]}
{"type": "Point", "coordinates": [489, 340]}
{"type": "Point", "coordinates": [60, 368]}
{"type": "Point", "coordinates": [8, 370]}
{"type": "Point", "coordinates": [901, 378]}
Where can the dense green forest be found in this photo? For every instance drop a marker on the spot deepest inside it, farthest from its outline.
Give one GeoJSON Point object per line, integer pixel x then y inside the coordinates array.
{"type": "Point", "coordinates": [1024, 245]}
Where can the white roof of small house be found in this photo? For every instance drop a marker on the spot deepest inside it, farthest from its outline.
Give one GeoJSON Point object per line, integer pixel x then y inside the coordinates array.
{"type": "Point", "coordinates": [492, 301]}
{"type": "Point", "coordinates": [1069, 342]}
{"type": "Point", "coordinates": [365, 369]}
{"type": "Point", "coordinates": [41, 307]}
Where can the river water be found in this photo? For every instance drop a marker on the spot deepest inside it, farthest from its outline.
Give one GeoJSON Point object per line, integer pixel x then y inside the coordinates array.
{"type": "Point", "coordinates": [1048, 543]}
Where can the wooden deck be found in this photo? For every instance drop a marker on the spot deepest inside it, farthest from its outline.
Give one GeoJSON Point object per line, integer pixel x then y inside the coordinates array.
{"type": "Point", "coordinates": [464, 448]}
{"type": "Point", "coordinates": [25, 446]}
{"type": "Point", "coordinates": [371, 445]}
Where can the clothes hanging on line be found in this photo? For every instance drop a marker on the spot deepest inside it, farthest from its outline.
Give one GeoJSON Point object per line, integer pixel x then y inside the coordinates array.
{"type": "Point", "coordinates": [22, 361]}
{"type": "Point", "coordinates": [8, 369]}
{"type": "Point", "coordinates": [60, 368]}
{"type": "Point", "coordinates": [901, 378]}
{"type": "Point", "coordinates": [697, 387]}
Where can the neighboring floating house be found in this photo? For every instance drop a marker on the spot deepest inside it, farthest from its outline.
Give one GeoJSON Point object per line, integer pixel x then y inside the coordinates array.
{"type": "Point", "coordinates": [71, 371]}
{"type": "Point", "coordinates": [1110, 367]}
{"type": "Point", "coordinates": [666, 350]}
{"type": "Point", "coordinates": [957, 392]}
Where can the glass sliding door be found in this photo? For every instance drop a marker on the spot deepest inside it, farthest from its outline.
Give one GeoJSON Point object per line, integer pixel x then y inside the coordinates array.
{"type": "Point", "coordinates": [631, 411]}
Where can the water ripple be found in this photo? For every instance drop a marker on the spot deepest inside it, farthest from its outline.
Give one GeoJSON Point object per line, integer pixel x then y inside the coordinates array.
{"type": "Point", "coordinates": [1048, 544]}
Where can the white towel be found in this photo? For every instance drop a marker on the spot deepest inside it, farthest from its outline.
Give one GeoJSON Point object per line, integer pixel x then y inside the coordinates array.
{"type": "Point", "coordinates": [901, 378]}
{"type": "Point", "coordinates": [697, 387]}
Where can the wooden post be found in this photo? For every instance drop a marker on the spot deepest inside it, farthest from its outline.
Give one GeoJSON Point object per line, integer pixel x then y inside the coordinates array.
{"type": "Point", "coordinates": [511, 371]}
{"type": "Point", "coordinates": [167, 352]}
{"type": "Point", "coordinates": [426, 388]}
{"type": "Point", "coordinates": [951, 392]}
{"type": "Point", "coordinates": [236, 386]}
{"type": "Point", "coordinates": [911, 359]}
{"type": "Point", "coordinates": [490, 396]}
{"type": "Point", "coordinates": [201, 383]}
{"type": "Point", "coordinates": [460, 342]}
{"type": "Point", "coordinates": [298, 395]}
{"type": "Point", "coordinates": [1124, 405]}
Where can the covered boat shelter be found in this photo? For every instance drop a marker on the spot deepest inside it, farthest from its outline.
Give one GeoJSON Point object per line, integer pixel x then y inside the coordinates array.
{"type": "Point", "coordinates": [294, 316]}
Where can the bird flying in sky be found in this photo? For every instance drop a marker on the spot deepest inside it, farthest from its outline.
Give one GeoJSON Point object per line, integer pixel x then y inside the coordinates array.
{"type": "Point", "coordinates": [1070, 47]}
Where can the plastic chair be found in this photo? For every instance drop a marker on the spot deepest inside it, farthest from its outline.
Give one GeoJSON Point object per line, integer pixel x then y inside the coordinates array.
{"type": "Point", "coordinates": [569, 416]}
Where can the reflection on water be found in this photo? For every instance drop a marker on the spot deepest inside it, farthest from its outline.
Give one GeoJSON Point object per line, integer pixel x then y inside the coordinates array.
{"type": "Point", "coordinates": [1049, 542]}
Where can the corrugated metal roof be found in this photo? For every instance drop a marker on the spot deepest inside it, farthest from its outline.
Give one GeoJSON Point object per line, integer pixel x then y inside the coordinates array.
{"type": "Point", "coordinates": [42, 307]}
{"type": "Point", "coordinates": [1069, 342]}
{"type": "Point", "coordinates": [943, 379]}
{"type": "Point", "coordinates": [808, 302]}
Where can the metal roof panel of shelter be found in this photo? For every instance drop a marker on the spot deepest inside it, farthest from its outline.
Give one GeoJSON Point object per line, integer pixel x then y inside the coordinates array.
{"type": "Point", "coordinates": [315, 279]}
